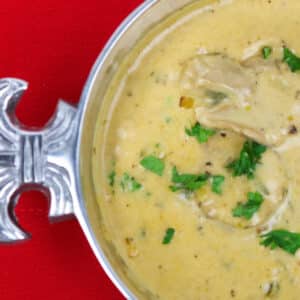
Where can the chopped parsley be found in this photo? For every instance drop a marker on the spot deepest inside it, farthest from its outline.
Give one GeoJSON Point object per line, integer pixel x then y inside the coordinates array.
{"type": "Point", "coordinates": [200, 133]}
{"type": "Point", "coordinates": [248, 209]}
{"type": "Point", "coordinates": [111, 178]}
{"type": "Point", "coordinates": [250, 156]}
{"type": "Point", "coordinates": [129, 183]}
{"type": "Point", "coordinates": [266, 52]}
{"type": "Point", "coordinates": [168, 236]}
{"type": "Point", "coordinates": [187, 182]}
{"type": "Point", "coordinates": [281, 238]}
{"type": "Point", "coordinates": [291, 59]}
{"type": "Point", "coordinates": [217, 182]}
{"type": "Point", "coordinates": [153, 164]}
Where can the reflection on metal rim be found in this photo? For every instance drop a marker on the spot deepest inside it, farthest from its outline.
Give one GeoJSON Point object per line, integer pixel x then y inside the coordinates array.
{"type": "Point", "coordinates": [79, 206]}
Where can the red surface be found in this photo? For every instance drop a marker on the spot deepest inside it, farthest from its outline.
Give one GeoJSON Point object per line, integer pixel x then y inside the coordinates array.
{"type": "Point", "coordinates": [52, 45]}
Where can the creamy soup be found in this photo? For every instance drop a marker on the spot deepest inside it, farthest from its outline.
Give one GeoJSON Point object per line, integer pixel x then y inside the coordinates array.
{"type": "Point", "coordinates": [198, 179]}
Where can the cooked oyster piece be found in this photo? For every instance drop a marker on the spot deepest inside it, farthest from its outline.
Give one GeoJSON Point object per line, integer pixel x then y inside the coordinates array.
{"type": "Point", "coordinates": [220, 69]}
{"type": "Point", "coordinates": [232, 95]}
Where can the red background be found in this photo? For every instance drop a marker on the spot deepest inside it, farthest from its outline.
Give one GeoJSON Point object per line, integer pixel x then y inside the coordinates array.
{"type": "Point", "coordinates": [52, 45]}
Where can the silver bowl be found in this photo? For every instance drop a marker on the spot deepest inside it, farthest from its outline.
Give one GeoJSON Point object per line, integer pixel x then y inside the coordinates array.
{"type": "Point", "coordinates": [57, 159]}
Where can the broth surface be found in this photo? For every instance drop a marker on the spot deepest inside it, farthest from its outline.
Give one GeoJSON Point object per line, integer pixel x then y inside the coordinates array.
{"type": "Point", "coordinates": [205, 65]}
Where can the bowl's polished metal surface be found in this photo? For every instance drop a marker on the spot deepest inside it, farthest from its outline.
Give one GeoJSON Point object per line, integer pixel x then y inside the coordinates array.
{"type": "Point", "coordinates": [34, 159]}
{"type": "Point", "coordinates": [57, 159]}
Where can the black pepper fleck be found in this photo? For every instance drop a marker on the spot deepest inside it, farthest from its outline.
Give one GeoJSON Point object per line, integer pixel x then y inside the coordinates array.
{"type": "Point", "coordinates": [199, 228]}
{"type": "Point", "coordinates": [232, 293]}
{"type": "Point", "coordinates": [128, 240]}
{"type": "Point", "coordinates": [297, 95]}
{"type": "Point", "coordinates": [293, 129]}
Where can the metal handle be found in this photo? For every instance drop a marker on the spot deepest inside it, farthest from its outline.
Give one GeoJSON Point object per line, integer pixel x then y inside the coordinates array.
{"type": "Point", "coordinates": [34, 159]}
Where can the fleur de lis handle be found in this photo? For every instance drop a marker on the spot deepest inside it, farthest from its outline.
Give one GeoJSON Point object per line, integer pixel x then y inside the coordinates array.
{"type": "Point", "coordinates": [31, 159]}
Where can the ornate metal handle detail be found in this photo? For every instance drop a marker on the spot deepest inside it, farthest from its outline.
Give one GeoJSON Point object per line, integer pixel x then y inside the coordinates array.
{"type": "Point", "coordinates": [30, 159]}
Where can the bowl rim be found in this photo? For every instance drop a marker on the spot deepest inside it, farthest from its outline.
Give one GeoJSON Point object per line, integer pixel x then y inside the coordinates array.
{"type": "Point", "coordinates": [79, 205]}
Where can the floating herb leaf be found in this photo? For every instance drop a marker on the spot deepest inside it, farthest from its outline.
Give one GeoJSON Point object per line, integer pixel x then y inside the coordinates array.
{"type": "Point", "coordinates": [266, 52]}
{"type": "Point", "coordinates": [187, 182]}
{"type": "Point", "coordinates": [281, 238]}
{"type": "Point", "coordinates": [111, 178]}
{"type": "Point", "coordinates": [153, 164]}
{"type": "Point", "coordinates": [168, 236]}
{"type": "Point", "coordinates": [291, 59]}
{"type": "Point", "coordinates": [248, 209]}
{"type": "Point", "coordinates": [129, 184]}
{"type": "Point", "coordinates": [217, 182]}
{"type": "Point", "coordinates": [200, 133]}
{"type": "Point", "coordinates": [250, 156]}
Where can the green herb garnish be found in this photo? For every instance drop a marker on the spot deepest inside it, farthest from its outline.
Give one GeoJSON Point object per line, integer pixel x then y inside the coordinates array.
{"type": "Point", "coordinates": [111, 178]}
{"type": "Point", "coordinates": [281, 238]}
{"type": "Point", "coordinates": [266, 52]}
{"type": "Point", "coordinates": [168, 236]}
{"type": "Point", "coordinates": [200, 133]}
{"type": "Point", "coordinates": [249, 158]}
{"type": "Point", "coordinates": [129, 184]}
{"type": "Point", "coordinates": [217, 182]}
{"type": "Point", "coordinates": [291, 59]}
{"type": "Point", "coordinates": [248, 209]}
{"type": "Point", "coordinates": [187, 182]}
{"type": "Point", "coordinates": [153, 164]}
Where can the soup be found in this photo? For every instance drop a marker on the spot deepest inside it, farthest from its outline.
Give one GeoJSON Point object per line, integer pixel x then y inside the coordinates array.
{"type": "Point", "coordinates": [197, 175]}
